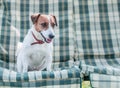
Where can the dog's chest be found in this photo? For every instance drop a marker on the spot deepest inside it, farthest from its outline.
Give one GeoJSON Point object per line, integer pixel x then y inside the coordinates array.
{"type": "Point", "coordinates": [38, 55]}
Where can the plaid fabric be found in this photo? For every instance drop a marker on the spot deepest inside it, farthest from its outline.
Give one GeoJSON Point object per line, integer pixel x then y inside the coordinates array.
{"type": "Point", "coordinates": [102, 66]}
{"type": "Point", "coordinates": [104, 81]}
{"type": "Point", "coordinates": [97, 35]}
{"type": "Point", "coordinates": [2, 50]}
{"type": "Point", "coordinates": [15, 22]}
{"type": "Point", "coordinates": [64, 78]}
{"type": "Point", "coordinates": [97, 28]}
{"type": "Point", "coordinates": [1, 11]}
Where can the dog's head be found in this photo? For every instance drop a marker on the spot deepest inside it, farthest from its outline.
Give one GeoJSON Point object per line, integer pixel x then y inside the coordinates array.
{"type": "Point", "coordinates": [44, 24]}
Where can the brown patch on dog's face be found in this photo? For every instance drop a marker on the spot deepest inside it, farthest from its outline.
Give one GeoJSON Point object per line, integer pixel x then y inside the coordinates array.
{"type": "Point", "coordinates": [42, 22]}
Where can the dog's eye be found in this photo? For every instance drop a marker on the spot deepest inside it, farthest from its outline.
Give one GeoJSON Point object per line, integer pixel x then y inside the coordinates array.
{"type": "Point", "coordinates": [53, 25]}
{"type": "Point", "coordinates": [44, 24]}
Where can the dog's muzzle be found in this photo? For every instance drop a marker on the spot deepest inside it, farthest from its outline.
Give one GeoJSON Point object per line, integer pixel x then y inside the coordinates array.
{"type": "Point", "coordinates": [48, 40]}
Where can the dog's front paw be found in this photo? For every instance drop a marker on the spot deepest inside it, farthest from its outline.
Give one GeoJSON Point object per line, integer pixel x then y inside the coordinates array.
{"type": "Point", "coordinates": [48, 68]}
{"type": "Point", "coordinates": [25, 68]}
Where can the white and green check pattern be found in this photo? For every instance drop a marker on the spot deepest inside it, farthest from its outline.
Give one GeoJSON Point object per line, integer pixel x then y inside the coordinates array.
{"type": "Point", "coordinates": [88, 34]}
{"type": "Point", "coordinates": [14, 24]}
{"type": "Point", "coordinates": [104, 81]}
{"type": "Point", "coordinates": [97, 28]}
{"type": "Point", "coordinates": [64, 78]}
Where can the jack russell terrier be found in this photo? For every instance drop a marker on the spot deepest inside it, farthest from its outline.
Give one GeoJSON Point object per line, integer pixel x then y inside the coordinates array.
{"type": "Point", "coordinates": [37, 47]}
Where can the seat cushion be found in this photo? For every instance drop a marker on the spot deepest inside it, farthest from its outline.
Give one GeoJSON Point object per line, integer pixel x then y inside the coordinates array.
{"type": "Point", "coordinates": [64, 78]}
{"type": "Point", "coordinates": [104, 81]}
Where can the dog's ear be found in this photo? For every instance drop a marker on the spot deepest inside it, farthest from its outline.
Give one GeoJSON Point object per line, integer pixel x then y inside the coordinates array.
{"type": "Point", "coordinates": [55, 20]}
{"type": "Point", "coordinates": [35, 17]}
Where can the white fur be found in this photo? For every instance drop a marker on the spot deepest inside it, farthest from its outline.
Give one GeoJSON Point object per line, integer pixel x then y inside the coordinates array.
{"type": "Point", "coordinates": [35, 57]}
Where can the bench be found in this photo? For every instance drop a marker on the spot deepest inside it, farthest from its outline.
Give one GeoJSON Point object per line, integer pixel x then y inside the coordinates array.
{"type": "Point", "coordinates": [86, 43]}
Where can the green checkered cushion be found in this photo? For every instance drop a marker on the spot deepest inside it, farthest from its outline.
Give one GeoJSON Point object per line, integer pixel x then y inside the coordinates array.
{"type": "Point", "coordinates": [2, 50]}
{"type": "Point", "coordinates": [43, 79]}
{"type": "Point", "coordinates": [97, 31]}
{"type": "Point", "coordinates": [97, 24]}
{"type": "Point", "coordinates": [110, 66]}
{"type": "Point", "coordinates": [97, 27]}
{"type": "Point", "coordinates": [15, 22]}
{"type": "Point", "coordinates": [104, 81]}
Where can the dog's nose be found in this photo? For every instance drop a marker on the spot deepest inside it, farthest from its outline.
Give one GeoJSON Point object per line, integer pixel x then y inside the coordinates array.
{"type": "Point", "coordinates": [51, 36]}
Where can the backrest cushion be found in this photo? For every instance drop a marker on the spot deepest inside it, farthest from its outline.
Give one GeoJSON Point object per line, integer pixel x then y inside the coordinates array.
{"type": "Point", "coordinates": [15, 23]}
{"type": "Point", "coordinates": [97, 28]}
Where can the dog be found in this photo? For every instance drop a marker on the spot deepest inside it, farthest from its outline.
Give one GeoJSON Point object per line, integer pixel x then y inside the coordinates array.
{"type": "Point", "coordinates": [37, 48]}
